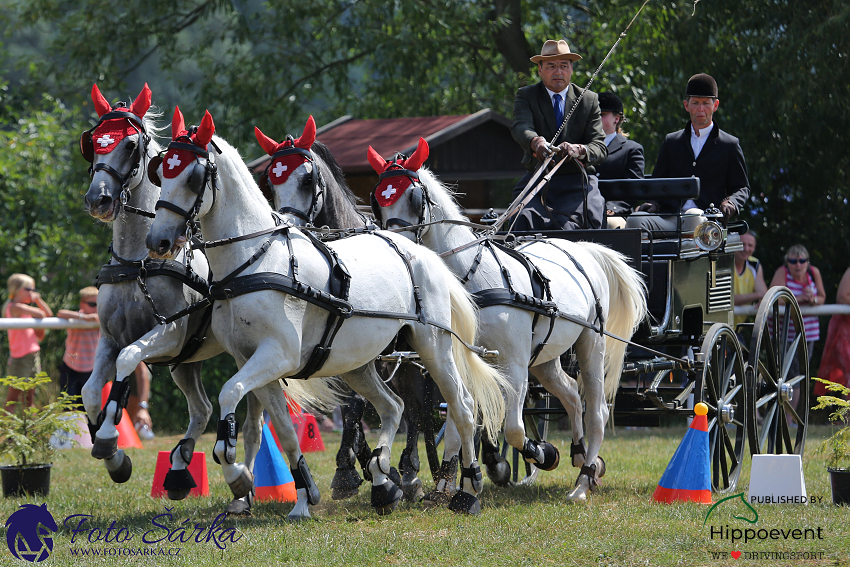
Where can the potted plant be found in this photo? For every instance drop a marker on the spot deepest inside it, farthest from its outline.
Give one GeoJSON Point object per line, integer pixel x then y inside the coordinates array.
{"type": "Point", "coordinates": [837, 447]}
{"type": "Point", "coordinates": [25, 433]}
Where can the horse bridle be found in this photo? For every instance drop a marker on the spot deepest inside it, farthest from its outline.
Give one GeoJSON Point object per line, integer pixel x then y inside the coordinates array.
{"type": "Point", "coordinates": [316, 180]}
{"type": "Point", "coordinates": [87, 150]}
{"type": "Point", "coordinates": [419, 196]}
{"type": "Point", "coordinates": [204, 172]}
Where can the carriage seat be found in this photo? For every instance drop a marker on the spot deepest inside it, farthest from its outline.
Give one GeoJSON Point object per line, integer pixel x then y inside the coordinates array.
{"type": "Point", "coordinates": [634, 191]}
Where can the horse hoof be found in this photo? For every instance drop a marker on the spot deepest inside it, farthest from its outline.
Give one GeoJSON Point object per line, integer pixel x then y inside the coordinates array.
{"type": "Point", "coordinates": [436, 498]}
{"type": "Point", "coordinates": [345, 484]}
{"type": "Point", "coordinates": [465, 503]}
{"type": "Point", "coordinates": [385, 498]}
{"type": "Point", "coordinates": [240, 506]}
{"type": "Point", "coordinates": [104, 448]}
{"type": "Point", "coordinates": [601, 466]}
{"type": "Point", "coordinates": [412, 489]}
{"type": "Point", "coordinates": [178, 484]}
{"type": "Point", "coordinates": [499, 472]}
{"type": "Point", "coordinates": [551, 457]}
{"type": "Point", "coordinates": [123, 472]}
{"type": "Point", "coordinates": [243, 484]}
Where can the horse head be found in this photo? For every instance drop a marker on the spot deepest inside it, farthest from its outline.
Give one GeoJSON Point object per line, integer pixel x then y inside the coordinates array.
{"type": "Point", "coordinates": [116, 148]}
{"type": "Point", "coordinates": [184, 173]}
{"type": "Point", "coordinates": [292, 179]}
{"type": "Point", "coordinates": [399, 198]}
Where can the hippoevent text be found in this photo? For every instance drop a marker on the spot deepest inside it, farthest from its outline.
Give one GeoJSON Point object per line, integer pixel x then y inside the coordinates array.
{"type": "Point", "coordinates": [752, 534]}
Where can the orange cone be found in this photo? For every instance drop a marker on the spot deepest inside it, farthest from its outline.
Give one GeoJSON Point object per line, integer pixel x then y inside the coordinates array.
{"type": "Point", "coordinates": [309, 437]}
{"type": "Point", "coordinates": [197, 468]}
{"type": "Point", "coordinates": [127, 436]}
{"type": "Point", "coordinates": [688, 475]}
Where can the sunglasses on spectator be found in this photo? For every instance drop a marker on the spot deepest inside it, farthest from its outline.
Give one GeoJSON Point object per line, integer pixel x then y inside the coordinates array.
{"type": "Point", "coordinates": [29, 289]}
{"type": "Point", "coordinates": [91, 303]}
{"type": "Point", "coordinates": [797, 260]}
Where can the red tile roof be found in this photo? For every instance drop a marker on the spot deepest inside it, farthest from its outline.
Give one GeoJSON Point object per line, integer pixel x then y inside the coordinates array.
{"type": "Point", "coordinates": [349, 140]}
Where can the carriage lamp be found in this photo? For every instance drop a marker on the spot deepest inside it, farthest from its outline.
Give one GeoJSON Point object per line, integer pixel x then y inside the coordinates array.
{"type": "Point", "coordinates": [708, 236]}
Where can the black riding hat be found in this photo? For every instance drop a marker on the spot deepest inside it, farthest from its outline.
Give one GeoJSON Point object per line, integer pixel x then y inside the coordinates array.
{"type": "Point", "coordinates": [701, 85]}
{"type": "Point", "coordinates": [609, 102]}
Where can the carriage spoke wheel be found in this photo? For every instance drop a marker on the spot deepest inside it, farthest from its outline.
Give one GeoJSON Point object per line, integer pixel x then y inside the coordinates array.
{"type": "Point", "coordinates": [779, 363]}
{"type": "Point", "coordinates": [724, 391]}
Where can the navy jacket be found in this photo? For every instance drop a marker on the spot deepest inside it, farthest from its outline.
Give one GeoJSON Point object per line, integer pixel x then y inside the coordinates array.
{"type": "Point", "coordinates": [624, 161]}
{"type": "Point", "coordinates": [720, 167]}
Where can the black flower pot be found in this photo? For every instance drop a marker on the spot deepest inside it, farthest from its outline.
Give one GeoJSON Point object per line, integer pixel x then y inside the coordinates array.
{"type": "Point", "coordinates": [839, 479]}
{"type": "Point", "coordinates": [30, 479]}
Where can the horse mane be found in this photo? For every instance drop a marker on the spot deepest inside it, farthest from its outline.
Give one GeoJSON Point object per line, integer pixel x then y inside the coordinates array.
{"type": "Point", "coordinates": [236, 170]}
{"type": "Point", "coordinates": [340, 207]}
{"type": "Point", "coordinates": [442, 195]}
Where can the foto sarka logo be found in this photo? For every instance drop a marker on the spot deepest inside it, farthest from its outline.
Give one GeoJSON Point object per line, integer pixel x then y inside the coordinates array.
{"type": "Point", "coordinates": [30, 532]}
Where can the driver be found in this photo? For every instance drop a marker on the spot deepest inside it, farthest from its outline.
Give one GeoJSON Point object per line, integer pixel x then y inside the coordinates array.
{"type": "Point", "coordinates": [539, 110]}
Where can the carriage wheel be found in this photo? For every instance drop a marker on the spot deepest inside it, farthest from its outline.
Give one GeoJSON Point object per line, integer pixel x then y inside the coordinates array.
{"type": "Point", "coordinates": [771, 401]}
{"type": "Point", "coordinates": [724, 391]}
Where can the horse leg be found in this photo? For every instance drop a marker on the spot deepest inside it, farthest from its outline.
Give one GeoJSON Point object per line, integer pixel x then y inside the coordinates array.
{"type": "Point", "coordinates": [118, 465]}
{"type": "Point", "coordinates": [253, 434]}
{"type": "Point", "coordinates": [445, 481]}
{"type": "Point", "coordinates": [437, 359]}
{"type": "Point", "coordinates": [552, 377]}
{"type": "Point", "coordinates": [270, 360]}
{"type": "Point", "coordinates": [411, 390]}
{"type": "Point", "coordinates": [307, 492]}
{"type": "Point", "coordinates": [366, 382]}
{"type": "Point", "coordinates": [590, 349]}
{"type": "Point", "coordinates": [178, 481]}
{"type": "Point", "coordinates": [346, 481]}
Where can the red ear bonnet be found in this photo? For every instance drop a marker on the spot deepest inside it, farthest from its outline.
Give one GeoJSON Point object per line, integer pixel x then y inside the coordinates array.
{"type": "Point", "coordinates": [176, 160]}
{"type": "Point", "coordinates": [282, 167]}
{"type": "Point", "coordinates": [390, 189]}
{"type": "Point", "coordinates": [109, 133]}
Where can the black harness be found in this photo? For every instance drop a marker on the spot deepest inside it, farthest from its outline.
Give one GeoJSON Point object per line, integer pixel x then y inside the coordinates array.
{"type": "Point", "coordinates": [138, 271]}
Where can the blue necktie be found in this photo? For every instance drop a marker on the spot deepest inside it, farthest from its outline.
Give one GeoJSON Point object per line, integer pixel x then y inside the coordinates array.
{"type": "Point", "coordinates": [559, 114]}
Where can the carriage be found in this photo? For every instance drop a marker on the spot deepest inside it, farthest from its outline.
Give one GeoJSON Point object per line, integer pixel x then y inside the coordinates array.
{"type": "Point", "coordinates": [693, 350]}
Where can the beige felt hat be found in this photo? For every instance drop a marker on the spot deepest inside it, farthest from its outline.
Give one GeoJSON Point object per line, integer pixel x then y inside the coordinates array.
{"type": "Point", "coordinates": [555, 49]}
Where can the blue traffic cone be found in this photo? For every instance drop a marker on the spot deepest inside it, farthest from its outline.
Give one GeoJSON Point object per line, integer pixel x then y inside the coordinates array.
{"type": "Point", "coordinates": [272, 479]}
{"type": "Point", "coordinates": [688, 475]}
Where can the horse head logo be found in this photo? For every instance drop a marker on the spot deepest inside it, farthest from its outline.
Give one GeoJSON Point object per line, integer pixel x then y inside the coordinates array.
{"type": "Point", "coordinates": [740, 496]}
{"type": "Point", "coordinates": [29, 533]}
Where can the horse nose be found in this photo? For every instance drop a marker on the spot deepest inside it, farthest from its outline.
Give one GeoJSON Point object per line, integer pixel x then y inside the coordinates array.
{"type": "Point", "coordinates": [160, 247]}
{"type": "Point", "coordinates": [99, 203]}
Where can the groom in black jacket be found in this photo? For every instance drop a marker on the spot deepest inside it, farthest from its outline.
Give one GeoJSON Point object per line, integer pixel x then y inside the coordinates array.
{"type": "Point", "coordinates": [702, 150]}
{"type": "Point", "coordinates": [539, 111]}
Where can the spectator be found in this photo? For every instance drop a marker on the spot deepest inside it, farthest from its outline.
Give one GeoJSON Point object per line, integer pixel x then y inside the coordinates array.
{"type": "Point", "coordinates": [23, 343]}
{"type": "Point", "coordinates": [80, 345]}
{"type": "Point", "coordinates": [835, 364]}
{"type": "Point", "coordinates": [749, 276]}
{"type": "Point", "coordinates": [804, 281]}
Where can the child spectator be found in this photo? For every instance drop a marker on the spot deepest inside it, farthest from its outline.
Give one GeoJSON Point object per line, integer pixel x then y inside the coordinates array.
{"type": "Point", "coordinates": [23, 343]}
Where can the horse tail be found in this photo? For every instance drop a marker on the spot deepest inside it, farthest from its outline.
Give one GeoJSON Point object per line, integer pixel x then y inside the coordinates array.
{"type": "Point", "coordinates": [485, 383]}
{"type": "Point", "coordinates": [319, 394]}
{"type": "Point", "coordinates": [626, 309]}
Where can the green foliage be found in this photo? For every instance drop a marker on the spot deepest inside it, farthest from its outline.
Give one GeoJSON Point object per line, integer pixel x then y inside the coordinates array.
{"type": "Point", "coordinates": [837, 447]}
{"type": "Point", "coordinates": [27, 430]}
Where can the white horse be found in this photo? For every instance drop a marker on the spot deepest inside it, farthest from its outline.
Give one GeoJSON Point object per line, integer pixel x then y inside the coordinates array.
{"type": "Point", "coordinates": [608, 293]}
{"type": "Point", "coordinates": [276, 309]}
{"type": "Point", "coordinates": [119, 149]}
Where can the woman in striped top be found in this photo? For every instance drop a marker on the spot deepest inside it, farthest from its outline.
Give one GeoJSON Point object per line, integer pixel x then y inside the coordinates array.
{"type": "Point", "coordinates": [804, 281]}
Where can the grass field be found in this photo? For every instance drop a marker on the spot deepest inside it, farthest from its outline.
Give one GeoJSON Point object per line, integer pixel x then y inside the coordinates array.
{"type": "Point", "coordinates": [619, 525]}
